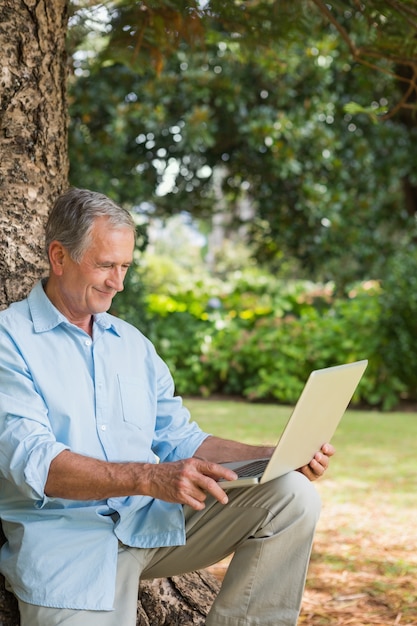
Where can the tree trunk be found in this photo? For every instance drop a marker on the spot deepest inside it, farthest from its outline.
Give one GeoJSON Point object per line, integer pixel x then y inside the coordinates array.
{"type": "Point", "coordinates": [408, 118]}
{"type": "Point", "coordinates": [33, 135]}
{"type": "Point", "coordinates": [178, 601]}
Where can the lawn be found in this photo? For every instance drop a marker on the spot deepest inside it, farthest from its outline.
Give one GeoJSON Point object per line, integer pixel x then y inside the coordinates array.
{"type": "Point", "coordinates": [364, 564]}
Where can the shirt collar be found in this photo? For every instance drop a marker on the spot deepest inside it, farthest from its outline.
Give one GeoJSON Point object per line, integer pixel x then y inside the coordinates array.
{"type": "Point", "coordinates": [45, 315]}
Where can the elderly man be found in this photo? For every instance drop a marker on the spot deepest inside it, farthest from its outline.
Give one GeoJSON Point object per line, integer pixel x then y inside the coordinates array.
{"type": "Point", "coordinates": [104, 478]}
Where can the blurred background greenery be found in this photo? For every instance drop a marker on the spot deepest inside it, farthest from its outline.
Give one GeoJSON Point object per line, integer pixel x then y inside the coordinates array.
{"type": "Point", "coordinates": [268, 153]}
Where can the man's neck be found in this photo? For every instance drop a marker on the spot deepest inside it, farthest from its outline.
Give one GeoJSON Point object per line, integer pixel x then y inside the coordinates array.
{"type": "Point", "coordinates": [85, 323]}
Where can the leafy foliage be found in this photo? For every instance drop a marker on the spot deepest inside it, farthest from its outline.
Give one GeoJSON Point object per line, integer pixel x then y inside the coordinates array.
{"type": "Point", "coordinates": [256, 336]}
{"type": "Point", "coordinates": [223, 125]}
{"type": "Point", "coordinates": [398, 317]}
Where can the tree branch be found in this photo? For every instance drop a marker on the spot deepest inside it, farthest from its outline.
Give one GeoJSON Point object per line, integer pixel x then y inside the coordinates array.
{"type": "Point", "coordinates": [403, 103]}
{"type": "Point", "coordinates": [343, 32]}
{"type": "Point", "coordinates": [363, 55]}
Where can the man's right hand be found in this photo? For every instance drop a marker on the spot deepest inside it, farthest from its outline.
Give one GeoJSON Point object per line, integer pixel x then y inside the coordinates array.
{"type": "Point", "coordinates": [188, 482]}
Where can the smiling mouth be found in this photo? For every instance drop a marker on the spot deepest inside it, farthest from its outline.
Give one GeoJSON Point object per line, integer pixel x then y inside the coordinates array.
{"type": "Point", "coordinates": [111, 293]}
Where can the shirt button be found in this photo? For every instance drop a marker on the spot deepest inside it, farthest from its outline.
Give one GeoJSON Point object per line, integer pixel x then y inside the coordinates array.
{"type": "Point", "coordinates": [103, 427]}
{"type": "Point", "coordinates": [88, 342]}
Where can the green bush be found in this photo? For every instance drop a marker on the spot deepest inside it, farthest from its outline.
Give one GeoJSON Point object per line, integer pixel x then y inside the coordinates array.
{"type": "Point", "coordinates": [272, 360]}
{"type": "Point", "coordinates": [258, 337]}
{"type": "Point", "coordinates": [397, 329]}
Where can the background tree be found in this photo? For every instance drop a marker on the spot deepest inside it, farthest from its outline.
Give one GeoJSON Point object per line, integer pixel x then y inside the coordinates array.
{"type": "Point", "coordinates": [270, 119]}
{"type": "Point", "coordinates": [379, 35]}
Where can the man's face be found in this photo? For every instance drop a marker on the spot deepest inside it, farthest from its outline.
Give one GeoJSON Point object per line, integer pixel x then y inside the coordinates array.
{"type": "Point", "coordinates": [88, 287]}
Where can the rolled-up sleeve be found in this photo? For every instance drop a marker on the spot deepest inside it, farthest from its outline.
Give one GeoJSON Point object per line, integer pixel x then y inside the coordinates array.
{"type": "Point", "coordinates": [176, 437]}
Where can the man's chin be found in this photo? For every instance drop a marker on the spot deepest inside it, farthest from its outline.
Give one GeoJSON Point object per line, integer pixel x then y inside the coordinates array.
{"type": "Point", "coordinates": [101, 305]}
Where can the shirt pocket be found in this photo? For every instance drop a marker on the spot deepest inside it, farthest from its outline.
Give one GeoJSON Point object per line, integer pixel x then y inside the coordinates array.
{"type": "Point", "coordinates": [136, 403]}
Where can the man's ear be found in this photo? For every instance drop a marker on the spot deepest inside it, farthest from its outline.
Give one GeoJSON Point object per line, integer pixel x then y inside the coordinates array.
{"type": "Point", "coordinates": [57, 255]}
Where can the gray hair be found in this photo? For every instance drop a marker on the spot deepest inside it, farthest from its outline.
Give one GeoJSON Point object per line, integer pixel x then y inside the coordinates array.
{"type": "Point", "coordinates": [72, 217]}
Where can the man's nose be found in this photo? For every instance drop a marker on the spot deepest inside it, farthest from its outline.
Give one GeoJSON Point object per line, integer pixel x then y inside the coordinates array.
{"type": "Point", "coordinates": [116, 279]}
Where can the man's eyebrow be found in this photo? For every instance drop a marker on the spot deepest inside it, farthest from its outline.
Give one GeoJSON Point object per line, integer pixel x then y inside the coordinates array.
{"type": "Point", "coordinates": [101, 263]}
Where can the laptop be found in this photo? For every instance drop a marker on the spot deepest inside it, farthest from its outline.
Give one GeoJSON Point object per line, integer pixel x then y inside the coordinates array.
{"type": "Point", "coordinates": [312, 423]}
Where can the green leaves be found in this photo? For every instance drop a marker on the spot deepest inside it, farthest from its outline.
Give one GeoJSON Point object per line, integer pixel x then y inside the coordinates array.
{"type": "Point", "coordinates": [374, 112]}
{"type": "Point", "coordinates": [258, 336]}
{"type": "Point", "coordinates": [284, 124]}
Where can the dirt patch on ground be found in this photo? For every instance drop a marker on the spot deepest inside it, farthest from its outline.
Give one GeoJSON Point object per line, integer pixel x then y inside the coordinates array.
{"type": "Point", "coordinates": [363, 570]}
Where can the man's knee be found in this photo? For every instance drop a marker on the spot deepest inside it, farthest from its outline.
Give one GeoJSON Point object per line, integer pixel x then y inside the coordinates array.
{"type": "Point", "coordinates": [292, 499]}
{"type": "Point", "coordinates": [304, 492]}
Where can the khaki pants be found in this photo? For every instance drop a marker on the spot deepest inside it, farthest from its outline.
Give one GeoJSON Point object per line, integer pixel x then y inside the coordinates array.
{"type": "Point", "coordinates": [269, 528]}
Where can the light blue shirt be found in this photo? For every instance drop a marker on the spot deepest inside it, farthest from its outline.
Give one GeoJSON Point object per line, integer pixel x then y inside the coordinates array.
{"type": "Point", "coordinates": [111, 398]}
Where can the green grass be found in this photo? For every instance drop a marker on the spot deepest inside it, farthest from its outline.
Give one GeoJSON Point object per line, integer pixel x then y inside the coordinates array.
{"type": "Point", "coordinates": [375, 452]}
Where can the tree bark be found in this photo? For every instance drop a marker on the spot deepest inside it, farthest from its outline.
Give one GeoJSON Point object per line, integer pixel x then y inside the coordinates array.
{"type": "Point", "coordinates": [33, 135]}
{"type": "Point", "coordinates": [178, 601]}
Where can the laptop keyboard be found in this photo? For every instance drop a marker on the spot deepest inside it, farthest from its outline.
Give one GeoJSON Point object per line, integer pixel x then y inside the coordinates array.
{"type": "Point", "coordinates": [253, 468]}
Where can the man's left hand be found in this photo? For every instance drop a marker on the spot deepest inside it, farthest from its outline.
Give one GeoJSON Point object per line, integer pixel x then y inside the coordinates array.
{"type": "Point", "coordinates": [319, 464]}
